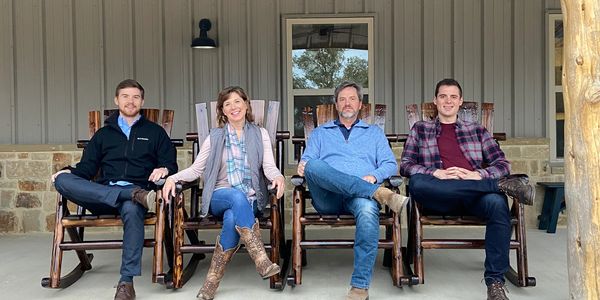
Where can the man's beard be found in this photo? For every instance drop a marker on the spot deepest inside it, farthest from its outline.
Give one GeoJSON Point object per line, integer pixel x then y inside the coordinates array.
{"type": "Point", "coordinates": [349, 114]}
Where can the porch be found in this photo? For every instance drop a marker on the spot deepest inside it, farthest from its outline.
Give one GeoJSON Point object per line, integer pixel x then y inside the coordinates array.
{"type": "Point", "coordinates": [450, 274]}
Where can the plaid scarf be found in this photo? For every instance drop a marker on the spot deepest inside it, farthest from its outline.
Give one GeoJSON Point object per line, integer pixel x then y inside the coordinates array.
{"type": "Point", "coordinates": [238, 169]}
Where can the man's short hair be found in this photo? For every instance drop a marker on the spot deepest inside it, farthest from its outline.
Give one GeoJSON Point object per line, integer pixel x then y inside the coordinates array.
{"type": "Point", "coordinates": [448, 82]}
{"type": "Point", "coordinates": [129, 83]}
{"type": "Point", "coordinates": [346, 84]}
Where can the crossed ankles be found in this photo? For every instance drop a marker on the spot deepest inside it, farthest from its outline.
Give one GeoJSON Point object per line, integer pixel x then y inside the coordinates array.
{"type": "Point", "coordinates": [390, 198]}
{"type": "Point", "coordinates": [518, 187]}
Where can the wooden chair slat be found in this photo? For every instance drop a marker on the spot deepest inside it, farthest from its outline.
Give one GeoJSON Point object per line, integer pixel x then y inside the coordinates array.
{"type": "Point", "coordinates": [201, 121]}
{"type": "Point", "coordinates": [167, 120]}
{"type": "Point", "coordinates": [487, 116]}
{"type": "Point", "coordinates": [258, 109]}
{"type": "Point", "coordinates": [272, 119]}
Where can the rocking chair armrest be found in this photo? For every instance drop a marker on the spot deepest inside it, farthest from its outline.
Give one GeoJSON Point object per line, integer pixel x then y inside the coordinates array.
{"type": "Point", "coordinates": [298, 180]}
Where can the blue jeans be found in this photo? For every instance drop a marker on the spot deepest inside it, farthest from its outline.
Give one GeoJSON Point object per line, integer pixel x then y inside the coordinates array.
{"type": "Point", "coordinates": [334, 192]}
{"type": "Point", "coordinates": [480, 198]}
{"type": "Point", "coordinates": [102, 200]}
{"type": "Point", "coordinates": [233, 207]}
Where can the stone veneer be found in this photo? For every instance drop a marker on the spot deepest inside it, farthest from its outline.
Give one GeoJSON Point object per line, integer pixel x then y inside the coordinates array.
{"type": "Point", "coordinates": [28, 198]}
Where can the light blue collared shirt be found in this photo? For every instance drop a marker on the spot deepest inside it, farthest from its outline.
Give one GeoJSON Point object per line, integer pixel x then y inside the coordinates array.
{"type": "Point", "coordinates": [126, 129]}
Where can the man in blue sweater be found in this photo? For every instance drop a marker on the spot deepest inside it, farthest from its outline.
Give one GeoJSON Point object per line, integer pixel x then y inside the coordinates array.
{"type": "Point", "coordinates": [131, 153]}
{"type": "Point", "coordinates": [344, 163]}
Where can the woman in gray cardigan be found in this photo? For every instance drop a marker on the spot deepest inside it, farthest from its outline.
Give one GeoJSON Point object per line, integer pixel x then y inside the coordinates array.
{"type": "Point", "coordinates": [234, 188]}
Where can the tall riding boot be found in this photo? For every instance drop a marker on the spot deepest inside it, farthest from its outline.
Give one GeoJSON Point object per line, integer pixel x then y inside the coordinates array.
{"type": "Point", "coordinates": [251, 238]}
{"type": "Point", "coordinates": [219, 260]}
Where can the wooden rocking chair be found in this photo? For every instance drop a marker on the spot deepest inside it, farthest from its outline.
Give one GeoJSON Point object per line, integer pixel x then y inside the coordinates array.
{"type": "Point", "coordinates": [190, 221]}
{"type": "Point", "coordinates": [417, 217]}
{"type": "Point", "coordinates": [301, 218]}
{"type": "Point", "coordinates": [75, 223]}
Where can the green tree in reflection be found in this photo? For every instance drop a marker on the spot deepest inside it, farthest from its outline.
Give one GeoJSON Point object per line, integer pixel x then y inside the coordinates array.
{"type": "Point", "coordinates": [324, 68]}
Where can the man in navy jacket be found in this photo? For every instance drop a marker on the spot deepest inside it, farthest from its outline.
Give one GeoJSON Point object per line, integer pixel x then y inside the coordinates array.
{"type": "Point", "coordinates": [125, 158]}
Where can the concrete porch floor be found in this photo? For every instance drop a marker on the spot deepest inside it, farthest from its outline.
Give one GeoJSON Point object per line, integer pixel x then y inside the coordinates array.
{"type": "Point", "coordinates": [450, 274]}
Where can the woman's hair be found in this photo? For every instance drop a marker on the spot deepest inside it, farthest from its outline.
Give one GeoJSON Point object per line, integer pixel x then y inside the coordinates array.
{"type": "Point", "coordinates": [224, 95]}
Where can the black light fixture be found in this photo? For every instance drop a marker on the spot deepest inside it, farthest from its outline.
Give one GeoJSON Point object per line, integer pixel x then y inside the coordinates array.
{"type": "Point", "coordinates": [204, 42]}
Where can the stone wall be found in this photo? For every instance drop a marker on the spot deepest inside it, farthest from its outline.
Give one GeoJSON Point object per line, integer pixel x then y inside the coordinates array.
{"type": "Point", "coordinates": [28, 199]}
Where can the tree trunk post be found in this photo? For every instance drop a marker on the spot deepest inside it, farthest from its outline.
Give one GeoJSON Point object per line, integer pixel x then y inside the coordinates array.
{"type": "Point", "coordinates": [581, 82]}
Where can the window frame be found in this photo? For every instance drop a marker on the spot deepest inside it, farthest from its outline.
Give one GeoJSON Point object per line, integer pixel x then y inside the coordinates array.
{"type": "Point", "coordinates": [551, 87]}
{"type": "Point", "coordinates": [288, 22]}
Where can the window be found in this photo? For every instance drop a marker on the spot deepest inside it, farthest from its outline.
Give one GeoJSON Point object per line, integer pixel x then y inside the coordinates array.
{"type": "Point", "coordinates": [320, 54]}
{"type": "Point", "coordinates": [556, 109]}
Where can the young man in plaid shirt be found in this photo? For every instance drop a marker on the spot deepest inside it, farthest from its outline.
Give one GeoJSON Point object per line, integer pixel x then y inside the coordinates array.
{"type": "Point", "coordinates": [456, 167]}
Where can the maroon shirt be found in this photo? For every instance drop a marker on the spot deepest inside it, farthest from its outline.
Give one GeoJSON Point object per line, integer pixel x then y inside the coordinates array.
{"type": "Point", "coordinates": [450, 152]}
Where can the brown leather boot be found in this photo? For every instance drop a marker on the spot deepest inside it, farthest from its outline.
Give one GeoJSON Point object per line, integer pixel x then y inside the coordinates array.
{"type": "Point", "coordinates": [357, 294]}
{"type": "Point", "coordinates": [496, 291]}
{"type": "Point", "coordinates": [251, 238]}
{"type": "Point", "coordinates": [216, 270]}
{"type": "Point", "coordinates": [516, 187]}
{"type": "Point", "coordinates": [143, 197]}
{"type": "Point", "coordinates": [125, 291]}
{"type": "Point", "coordinates": [388, 197]}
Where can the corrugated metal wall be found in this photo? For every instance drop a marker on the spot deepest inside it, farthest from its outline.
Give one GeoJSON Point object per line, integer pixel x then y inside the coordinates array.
{"type": "Point", "coordinates": [62, 58]}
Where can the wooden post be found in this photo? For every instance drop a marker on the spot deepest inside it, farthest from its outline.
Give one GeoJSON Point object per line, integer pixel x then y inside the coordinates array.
{"type": "Point", "coordinates": [581, 81]}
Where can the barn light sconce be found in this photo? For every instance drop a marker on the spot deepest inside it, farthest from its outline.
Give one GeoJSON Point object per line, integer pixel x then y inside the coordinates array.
{"type": "Point", "coordinates": [203, 41]}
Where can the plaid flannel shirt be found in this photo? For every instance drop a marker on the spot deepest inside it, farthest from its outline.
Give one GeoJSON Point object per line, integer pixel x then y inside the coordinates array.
{"type": "Point", "coordinates": [422, 155]}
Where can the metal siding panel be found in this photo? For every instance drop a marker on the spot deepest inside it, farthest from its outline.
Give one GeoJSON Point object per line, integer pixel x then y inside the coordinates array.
{"type": "Point", "coordinates": [292, 6]}
{"type": "Point", "coordinates": [233, 32]}
{"type": "Point", "coordinates": [206, 61]}
{"type": "Point", "coordinates": [147, 50]}
{"type": "Point", "coordinates": [428, 48]}
{"type": "Point", "coordinates": [320, 6]}
{"type": "Point", "coordinates": [118, 46]}
{"type": "Point", "coordinates": [520, 67]}
{"type": "Point", "coordinates": [382, 91]}
{"type": "Point", "coordinates": [552, 4]}
{"type": "Point", "coordinates": [461, 50]}
{"type": "Point", "coordinates": [498, 62]}
{"type": "Point", "coordinates": [177, 54]}
{"type": "Point", "coordinates": [408, 71]}
{"type": "Point", "coordinates": [467, 51]}
{"type": "Point", "coordinates": [265, 77]}
{"type": "Point", "coordinates": [29, 66]}
{"type": "Point", "coordinates": [59, 72]}
{"type": "Point", "coordinates": [533, 102]}
{"type": "Point", "coordinates": [349, 6]}
{"type": "Point", "coordinates": [89, 69]}
{"type": "Point", "coordinates": [6, 72]}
